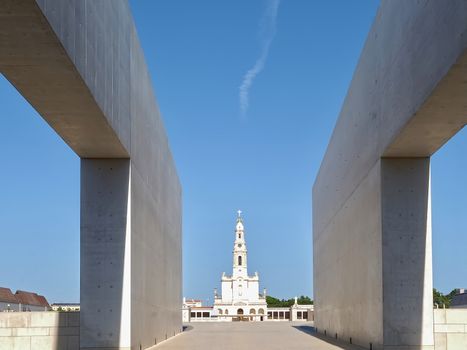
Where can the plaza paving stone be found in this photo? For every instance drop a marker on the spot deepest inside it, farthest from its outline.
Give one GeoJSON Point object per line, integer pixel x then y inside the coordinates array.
{"type": "Point", "coordinates": [254, 335]}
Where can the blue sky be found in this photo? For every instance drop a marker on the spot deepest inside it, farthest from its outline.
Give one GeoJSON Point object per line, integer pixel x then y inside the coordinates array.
{"type": "Point", "coordinates": [262, 159]}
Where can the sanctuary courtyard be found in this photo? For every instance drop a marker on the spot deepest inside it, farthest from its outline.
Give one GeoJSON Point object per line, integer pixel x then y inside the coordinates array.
{"type": "Point", "coordinates": [255, 335]}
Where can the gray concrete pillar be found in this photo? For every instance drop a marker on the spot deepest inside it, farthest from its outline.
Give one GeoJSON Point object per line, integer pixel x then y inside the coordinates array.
{"type": "Point", "coordinates": [372, 261]}
{"type": "Point", "coordinates": [105, 254]}
{"type": "Point", "coordinates": [407, 253]}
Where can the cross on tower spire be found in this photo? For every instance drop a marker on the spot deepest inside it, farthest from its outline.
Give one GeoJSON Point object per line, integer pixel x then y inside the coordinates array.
{"type": "Point", "coordinates": [239, 215]}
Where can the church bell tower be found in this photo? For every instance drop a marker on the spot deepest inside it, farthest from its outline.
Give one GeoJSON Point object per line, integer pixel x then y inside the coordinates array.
{"type": "Point", "coordinates": [240, 296]}
{"type": "Point", "coordinates": [240, 251]}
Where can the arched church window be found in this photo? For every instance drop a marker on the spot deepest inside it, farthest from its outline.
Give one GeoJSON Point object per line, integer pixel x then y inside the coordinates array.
{"type": "Point", "coordinates": [226, 312]}
{"type": "Point", "coordinates": [252, 311]}
{"type": "Point", "coordinates": [220, 311]}
{"type": "Point", "coordinates": [239, 235]}
{"type": "Point", "coordinates": [239, 261]}
{"type": "Point", "coordinates": [240, 312]}
{"type": "Point", "coordinates": [261, 311]}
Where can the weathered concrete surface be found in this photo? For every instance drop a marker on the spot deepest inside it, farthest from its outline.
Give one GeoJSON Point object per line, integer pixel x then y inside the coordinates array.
{"type": "Point", "coordinates": [105, 252]}
{"type": "Point", "coordinates": [254, 335]}
{"type": "Point", "coordinates": [80, 65]}
{"type": "Point", "coordinates": [39, 330]}
{"type": "Point", "coordinates": [58, 61]}
{"type": "Point", "coordinates": [406, 251]}
{"type": "Point", "coordinates": [406, 99]}
{"type": "Point", "coordinates": [345, 258]}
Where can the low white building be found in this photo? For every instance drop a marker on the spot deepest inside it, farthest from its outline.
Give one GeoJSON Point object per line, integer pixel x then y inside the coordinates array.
{"type": "Point", "coordinates": [296, 312]}
{"type": "Point", "coordinates": [67, 307]}
{"type": "Point", "coordinates": [193, 309]}
{"type": "Point", "coordinates": [301, 312]}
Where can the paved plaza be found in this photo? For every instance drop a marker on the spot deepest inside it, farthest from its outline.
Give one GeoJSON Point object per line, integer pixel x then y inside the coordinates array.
{"type": "Point", "coordinates": [253, 335]}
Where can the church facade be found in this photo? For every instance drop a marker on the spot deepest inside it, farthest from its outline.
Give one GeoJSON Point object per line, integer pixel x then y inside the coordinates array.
{"type": "Point", "coordinates": [240, 298]}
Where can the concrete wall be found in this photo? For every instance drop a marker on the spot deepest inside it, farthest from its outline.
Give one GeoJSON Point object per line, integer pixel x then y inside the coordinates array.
{"type": "Point", "coordinates": [81, 66]}
{"type": "Point", "coordinates": [371, 207]}
{"type": "Point", "coordinates": [39, 331]}
{"type": "Point", "coordinates": [450, 329]}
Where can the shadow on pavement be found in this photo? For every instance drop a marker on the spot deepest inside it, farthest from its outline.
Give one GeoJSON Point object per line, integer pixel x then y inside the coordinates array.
{"type": "Point", "coordinates": [338, 343]}
{"type": "Point", "coordinates": [187, 328]}
{"type": "Point", "coordinates": [306, 329]}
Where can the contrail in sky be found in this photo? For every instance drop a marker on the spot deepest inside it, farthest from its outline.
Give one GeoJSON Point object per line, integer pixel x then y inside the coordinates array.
{"type": "Point", "coordinates": [267, 30]}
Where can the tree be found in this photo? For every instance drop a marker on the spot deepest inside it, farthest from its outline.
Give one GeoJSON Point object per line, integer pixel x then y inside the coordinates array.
{"type": "Point", "coordinates": [275, 302]}
{"type": "Point", "coordinates": [304, 300]}
{"type": "Point", "coordinates": [443, 300]}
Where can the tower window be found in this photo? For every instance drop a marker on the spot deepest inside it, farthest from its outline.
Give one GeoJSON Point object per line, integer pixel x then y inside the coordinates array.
{"type": "Point", "coordinates": [239, 261]}
{"type": "Point", "coordinates": [239, 235]}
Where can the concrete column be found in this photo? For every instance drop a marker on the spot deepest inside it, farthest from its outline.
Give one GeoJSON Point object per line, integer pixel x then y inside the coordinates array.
{"type": "Point", "coordinates": [407, 253]}
{"type": "Point", "coordinates": [105, 254]}
{"type": "Point", "coordinates": [293, 314]}
{"type": "Point", "coordinates": [372, 261]}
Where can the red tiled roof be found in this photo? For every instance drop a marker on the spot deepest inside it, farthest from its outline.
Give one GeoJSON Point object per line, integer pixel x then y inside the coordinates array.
{"type": "Point", "coordinates": [6, 296]}
{"type": "Point", "coordinates": [29, 298]}
{"type": "Point", "coordinates": [43, 301]}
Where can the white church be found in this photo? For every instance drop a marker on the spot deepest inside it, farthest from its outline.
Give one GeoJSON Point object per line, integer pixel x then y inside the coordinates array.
{"type": "Point", "coordinates": [240, 299]}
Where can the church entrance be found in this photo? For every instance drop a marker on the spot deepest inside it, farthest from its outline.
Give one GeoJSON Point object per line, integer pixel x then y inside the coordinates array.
{"type": "Point", "coordinates": [240, 316]}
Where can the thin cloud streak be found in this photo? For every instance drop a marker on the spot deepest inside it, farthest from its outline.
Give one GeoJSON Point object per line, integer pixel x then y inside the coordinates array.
{"type": "Point", "coordinates": [267, 30]}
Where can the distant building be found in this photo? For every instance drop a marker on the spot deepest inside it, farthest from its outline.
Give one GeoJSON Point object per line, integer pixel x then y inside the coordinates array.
{"type": "Point", "coordinates": [301, 312]}
{"type": "Point", "coordinates": [8, 301]}
{"type": "Point", "coordinates": [240, 299]}
{"type": "Point", "coordinates": [201, 313]}
{"type": "Point", "coordinates": [68, 307]}
{"type": "Point", "coordinates": [22, 301]}
{"type": "Point", "coordinates": [296, 312]}
{"type": "Point", "coordinates": [192, 302]}
{"type": "Point", "coordinates": [459, 301]}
